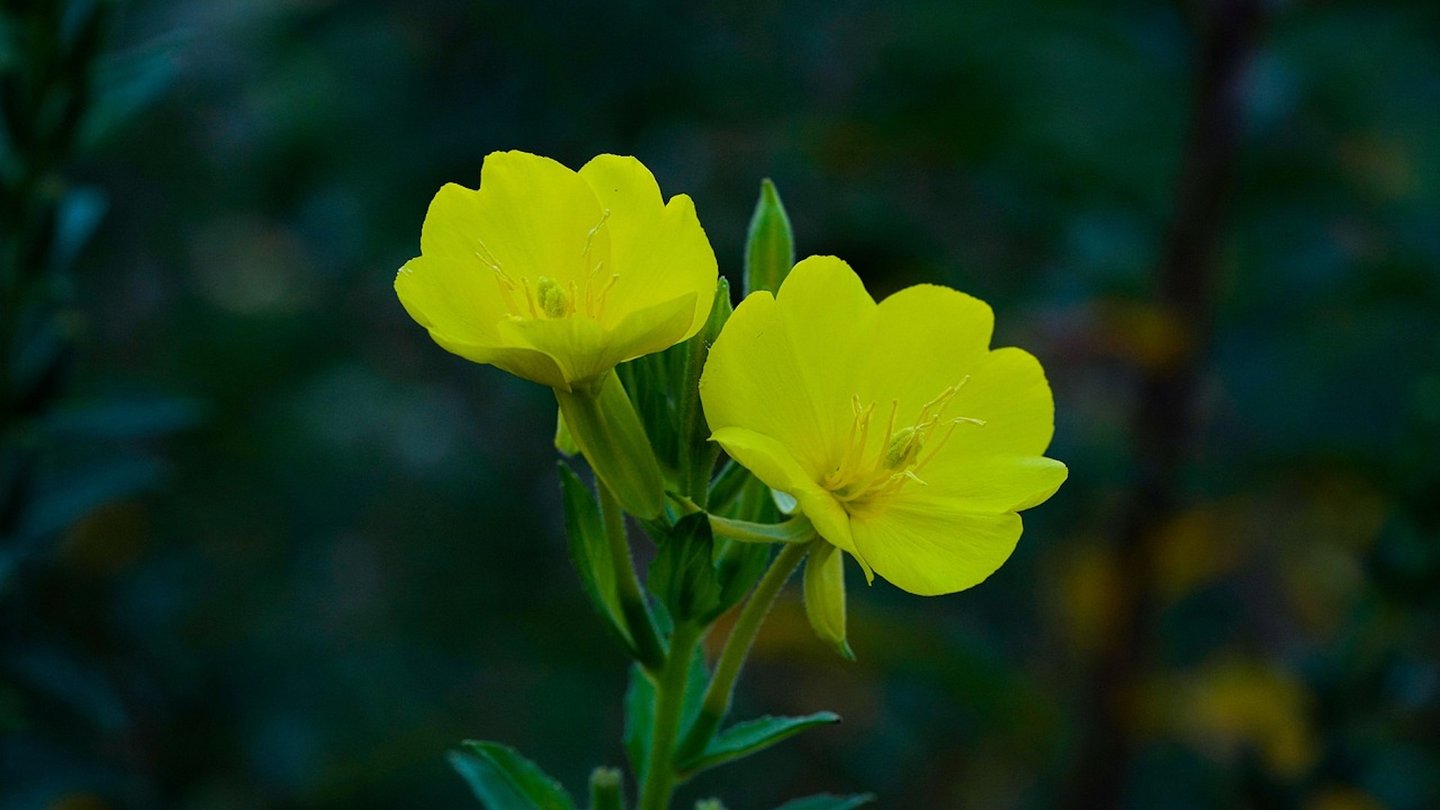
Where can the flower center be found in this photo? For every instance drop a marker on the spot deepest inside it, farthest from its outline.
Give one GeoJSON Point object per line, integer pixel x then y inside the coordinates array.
{"type": "Point", "coordinates": [548, 298]}
{"type": "Point", "coordinates": [865, 479]}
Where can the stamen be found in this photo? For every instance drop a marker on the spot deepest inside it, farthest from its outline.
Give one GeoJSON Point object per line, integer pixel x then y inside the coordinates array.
{"type": "Point", "coordinates": [530, 297]}
{"type": "Point", "coordinates": [590, 237]}
{"type": "Point", "coordinates": [604, 294]}
{"type": "Point", "coordinates": [506, 283]}
{"type": "Point", "coordinates": [862, 481]}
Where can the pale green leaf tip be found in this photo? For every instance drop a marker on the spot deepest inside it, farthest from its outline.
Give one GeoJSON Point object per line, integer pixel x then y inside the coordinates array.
{"type": "Point", "coordinates": [843, 647]}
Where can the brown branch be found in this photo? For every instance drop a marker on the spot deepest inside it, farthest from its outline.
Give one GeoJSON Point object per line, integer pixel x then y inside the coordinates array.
{"type": "Point", "coordinates": [1165, 415]}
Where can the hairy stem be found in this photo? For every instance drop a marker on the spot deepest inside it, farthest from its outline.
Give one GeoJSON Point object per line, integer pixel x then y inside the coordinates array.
{"type": "Point", "coordinates": [669, 703]}
{"type": "Point", "coordinates": [737, 649]}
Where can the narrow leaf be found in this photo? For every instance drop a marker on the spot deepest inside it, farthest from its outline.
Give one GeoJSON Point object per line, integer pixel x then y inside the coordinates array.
{"type": "Point", "coordinates": [826, 801]}
{"type": "Point", "coordinates": [590, 552]}
{"type": "Point", "coordinates": [503, 780]}
{"type": "Point", "coordinates": [751, 736]}
{"type": "Point", "coordinates": [770, 244]}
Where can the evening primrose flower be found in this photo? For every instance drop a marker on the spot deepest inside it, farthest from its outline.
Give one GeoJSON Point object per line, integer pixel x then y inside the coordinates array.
{"type": "Point", "coordinates": [557, 276]}
{"type": "Point", "coordinates": [905, 440]}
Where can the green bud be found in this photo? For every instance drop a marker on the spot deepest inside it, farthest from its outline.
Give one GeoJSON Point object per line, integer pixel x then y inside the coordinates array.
{"type": "Point", "coordinates": [770, 244]}
{"type": "Point", "coordinates": [605, 789]}
{"type": "Point", "coordinates": [825, 595]}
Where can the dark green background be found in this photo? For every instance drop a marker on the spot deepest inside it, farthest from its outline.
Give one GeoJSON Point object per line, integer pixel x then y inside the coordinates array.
{"type": "Point", "coordinates": [344, 553]}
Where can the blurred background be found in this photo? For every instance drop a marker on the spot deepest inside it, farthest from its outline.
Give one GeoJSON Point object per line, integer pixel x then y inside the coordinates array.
{"type": "Point", "coordinates": [264, 545]}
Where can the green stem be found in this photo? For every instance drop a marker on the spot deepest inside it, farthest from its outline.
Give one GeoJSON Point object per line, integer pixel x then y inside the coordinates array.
{"type": "Point", "coordinates": [632, 600]}
{"type": "Point", "coordinates": [669, 703]}
{"type": "Point", "coordinates": [795, 530]}
{"type": "Point", "coordinates": [737, 649]}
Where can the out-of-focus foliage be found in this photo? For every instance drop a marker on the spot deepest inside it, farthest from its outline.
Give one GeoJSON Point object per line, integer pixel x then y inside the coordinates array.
{"type": "Point", "coordinates": [358, 558]}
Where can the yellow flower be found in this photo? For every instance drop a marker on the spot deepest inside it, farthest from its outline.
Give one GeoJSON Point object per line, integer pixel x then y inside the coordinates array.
{"type": "Point", "coordinates": [905, 440]}
{"type": "Point", "coordinates": [555, 275]}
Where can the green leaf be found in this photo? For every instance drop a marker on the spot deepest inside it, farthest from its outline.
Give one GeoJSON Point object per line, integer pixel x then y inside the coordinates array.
{"type": "Point", "coordinates": [826, 801]}
{"type": "Point", "coordinates": [590, 552]}
{"type": "Point", "coordinates": [751, 736]}
{"type": "Point", "coordinates": [770, 244]}
{"type": "Point", "coordinates": [503, 780]}
{"type": "Point", "coordinates": [683, 574]}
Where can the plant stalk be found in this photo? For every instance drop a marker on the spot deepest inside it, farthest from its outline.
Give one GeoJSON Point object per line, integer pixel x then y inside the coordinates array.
{"type": "Point", "coordinates": [737, 649]}
{"type": "Point", "coordinates": [669, 703]}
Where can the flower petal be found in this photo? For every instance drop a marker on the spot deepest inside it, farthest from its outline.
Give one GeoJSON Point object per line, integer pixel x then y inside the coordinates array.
{"type": "Point", "coordinates": [658, 251]}
{"type": "Point", "coordinates": [1007, 389]}
{"type": "Point", "coordinates": [652, 329]}
{"type": "Point", "coordinates": [536, 218]}
{"type": "Point", "coordinates": [583, 349]}
{"type": "Point", "coordinates": [988, 484]}
{"type": "Point", "coordinates": [522, 362]}
{"type": "Point", "coordinates": [923, 340]}
{"type": "Point", "coordinates": [784, 366]}
{"type": "Point", "coordinates": [773, 464]}
{"type": "Point", "coordinates": [448, 289]}
{"type": "Point", "coordinates": [930, 551]}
